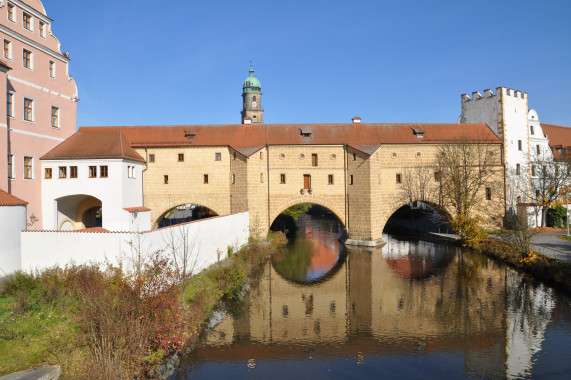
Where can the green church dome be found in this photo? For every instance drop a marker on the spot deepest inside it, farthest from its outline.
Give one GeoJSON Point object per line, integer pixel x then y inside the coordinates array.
{"type": "Point", "coordinates": [251, 84]}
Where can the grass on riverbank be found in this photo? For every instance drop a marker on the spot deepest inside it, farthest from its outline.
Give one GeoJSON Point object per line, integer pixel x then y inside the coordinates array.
{"type": "Point", "coordinates": [541, 266]}
{"type": "Point", "coordinates": [104, 323]}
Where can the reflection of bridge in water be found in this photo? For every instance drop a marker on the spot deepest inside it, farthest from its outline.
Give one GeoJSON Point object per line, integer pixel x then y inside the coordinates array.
{"type": "Point", "coordinates": [388, 303]}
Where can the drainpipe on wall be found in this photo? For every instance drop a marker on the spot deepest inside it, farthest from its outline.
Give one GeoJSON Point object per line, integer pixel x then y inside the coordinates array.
{"type": "Point", "coordinates": [268, 181]}
{"type": "Point", "coordinates": [345, 185]}
{"type": "Point", "coordinates": [143, 176]}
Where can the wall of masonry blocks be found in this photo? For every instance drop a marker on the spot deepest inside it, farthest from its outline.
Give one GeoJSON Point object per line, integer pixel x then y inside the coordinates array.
{"type": "Point", "coordinates": [237, 183]}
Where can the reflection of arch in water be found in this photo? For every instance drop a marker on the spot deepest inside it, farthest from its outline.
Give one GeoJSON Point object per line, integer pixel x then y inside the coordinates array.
{"type": "Point", "coordinates": [416, 259]}
{"type": "Point", "coordinates": [315, 253]}
{"type": "Point", "coordinates": [430, 217]}
{"type": "Point", "coordinates": [183, 213]}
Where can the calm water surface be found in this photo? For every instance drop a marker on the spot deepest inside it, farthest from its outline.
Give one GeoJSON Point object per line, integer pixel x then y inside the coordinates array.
{"type": "Point", "coordinates": [411, 309]}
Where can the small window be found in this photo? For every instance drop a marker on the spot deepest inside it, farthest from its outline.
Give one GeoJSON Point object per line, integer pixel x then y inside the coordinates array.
{"type": "Point", "coordinates": [166, 179]}
{"type": "Point", "coordinates": [531, 130]}
{"type": "Point", "coordinates": [488, 193]}
{"type": "Point", "coordinates": [254, 98]}
{"type": "Point", "coordinates": [28, 167]}
{"type": "Point", "coordinates": [151, 158]}
{"type": "Point", "coordinates": [556, 171]}
{"type": "Point", "coordinates": [330, 179]}
{"type": "Point", "coordinates": [103, 172]}
{"type": "Point", "coordinates": [48, 173]}
{"type": "Point", "coordinates": [314, 159]}
{"type": "Point", "coordinates": [55, 117]}
{"type": "Point", "coordinates": [517, 169]}
{"type": "Point", "coordinates": [543, 170]}
{"type": "Point", "coordinates": [10, 104]}
{"type": "Point", "coordinates": [26, 21]}
{"type": "Point", "coordinates": [307, 181]}
{"type": "Point", "coordinates": [11, 166]}
{"type": "Point", "coordinates": [538, 149]}
{"type": "Point", "coordinates": [42, 30]}
{"type": "Point", "coordinates": [399, 178]}
{"type": "Point", "coordinates": [351, 179]}
{"type": "Point", "coordinates": [27, 59]}
{"type": "Point", "coordinates": [233, 178]}
{"type": "Point", "coordinates": [537, 194]}
{"type": "Point", "coordinates": [518, 200]}
{"type": "Point", "coordinates": [261, 155]}
{"type": "Point", "coordinates": [205, 179]}
{"type": "Point", "coordinates": [282, 178]}
{"type": "Point", "coordinates": [261, 177]}
{"type": "Point", "coordinates": [518, 144]}
{"type": "Point", "coordinates": [63, 172]}
{"type": "Point", "coordinates": [436, 176]}
{"type": "Point", "coordinates": [73, 172]}
{"type": "Point", "coordinates": [7, 49]}
{"type": "Point", "coordinates": [11, 12]}
{"type": "Point", "coordinates": [234, 155]}
{"type": "Point", "coordinates": [52, 69]}
{"type": "Point", "coordinates": [533, 170]}
{"type": "Point", "coordinates": [354, 156]}
{"type": "Point", "coordinates": [28, 109]}
{"type": "Point", "coordinates": [218, 156]}
{"type": "Point", "coordinates": [93, 172]}
{"type": "Point", "coordinates": [181, 157]}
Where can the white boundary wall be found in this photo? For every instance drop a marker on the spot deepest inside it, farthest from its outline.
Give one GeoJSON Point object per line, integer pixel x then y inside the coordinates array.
{"type": "Point", "coordinates": [12, 221]}
{"type": "Point", "coordinates": [208, 238]}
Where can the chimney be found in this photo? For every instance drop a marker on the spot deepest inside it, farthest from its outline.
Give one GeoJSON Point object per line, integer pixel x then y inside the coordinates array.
{"type": "Point", "coordinates": [356, 120]}
{"type": "Point", "coordinates": [247, 120]}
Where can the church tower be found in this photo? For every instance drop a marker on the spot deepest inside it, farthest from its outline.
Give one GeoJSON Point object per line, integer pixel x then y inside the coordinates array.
{"type": "Point", "coordinates": [252, 97]}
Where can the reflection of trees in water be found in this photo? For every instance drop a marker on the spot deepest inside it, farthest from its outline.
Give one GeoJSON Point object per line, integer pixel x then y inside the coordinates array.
{"type": "Point", "coordinates": [293, 261]}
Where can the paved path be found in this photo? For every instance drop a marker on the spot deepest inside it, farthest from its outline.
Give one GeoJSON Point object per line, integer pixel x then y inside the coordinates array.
{"type": "Point", "coordinates": [550, 244]}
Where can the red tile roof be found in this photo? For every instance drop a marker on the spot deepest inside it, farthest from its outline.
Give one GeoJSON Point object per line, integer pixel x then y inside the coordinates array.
{"type": "Point", "coordinates": [10, 200]}
{"type": "Point", "coordinates": [559, 140]}
{"type": "Point", "coordinates": [94, 143]}
{"type": "Point", "coordinates": [101, 142]}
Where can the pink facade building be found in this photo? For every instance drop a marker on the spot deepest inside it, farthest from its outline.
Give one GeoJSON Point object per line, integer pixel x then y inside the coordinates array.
{"type": "Point", "coordinates": [40, 96]}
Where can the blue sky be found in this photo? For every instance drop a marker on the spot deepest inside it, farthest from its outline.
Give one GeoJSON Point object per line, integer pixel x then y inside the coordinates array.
{"type": "Point", "coordinates": [149, 62]}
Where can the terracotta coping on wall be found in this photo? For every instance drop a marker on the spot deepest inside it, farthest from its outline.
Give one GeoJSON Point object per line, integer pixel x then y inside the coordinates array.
{"type": "Point", "coordinates": [10, 200]}
{"type": "Point", "coordinates": [139, 209]}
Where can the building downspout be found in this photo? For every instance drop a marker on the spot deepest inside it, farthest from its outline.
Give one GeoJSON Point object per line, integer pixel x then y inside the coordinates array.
{"type": "Point", "coordinates": [143, 175]}
{"type": "Point", "coordinates": [268, 181]}
{"type": "Point", "coordinates": [345, 185]}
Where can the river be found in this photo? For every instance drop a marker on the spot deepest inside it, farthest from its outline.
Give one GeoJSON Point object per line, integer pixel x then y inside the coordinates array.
{"type": "Point", "coordinates": [410, 309]}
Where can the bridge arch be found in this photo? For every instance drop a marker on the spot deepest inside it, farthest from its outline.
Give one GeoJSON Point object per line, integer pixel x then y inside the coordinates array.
{"type": "Point", "coordinates": [320, 201]}
{"type": "Point", "coordinates": [443, 211]}
{"type": "Point", "coordinates": [170, 205]}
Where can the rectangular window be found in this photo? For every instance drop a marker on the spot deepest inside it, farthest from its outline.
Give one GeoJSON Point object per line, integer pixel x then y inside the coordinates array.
{"type": "Point", "coordinates": [26, 21]}
{"type": "Point", "coordinates": [532, 131]}
{"type": "Point", "coordinates": [282, 178]}
{"type": "Point", "coordinates": [7, 49]}
{"type": "Point", "coordinates": [181, 157]}
{"type": "Point", "coordinates": [28, 109]}
{"type": "Point", "coordinates": [518, 144]}
{"type": "Point", "coordinates": [218, 156]}
{"type": "Point", "coordinates": [10, 12]}
{"type": "Point", "coordinates": [313, 159]}
{"type": "Point", "coordinates": [436, 176]}
{"type": "Point", "coordinates": [73, 172]}
{"type": "Point", "coordinates": [488, 193]}
{"type": "Point", "coordinates": [399, 178]}
{"type": "Point", "coordinates": [55, 117]}
{"type": "Point", "coordinates": [354, 156]}
{"type": "Point", "coordinates": [42, 30]}
{"type": "Point", "coordinates": [11, 166]}
{"type": "Point", "coordinates": [351, 179]}
{"type": "Point", "coordinates": [166, 179]}
{"type": "Point", "coordinates": [517, 169]}
{"type": "Point", "coordinates": [103, 172]}
{"type": "Point", "coordinates": [205, 179]}
{"type": "Point", "coordinates": [10, 104]}
{"type": "Point", "coordinates": [538, 149]}
{"type": "Point", "coordinates": [93, 172]}
{"type": "Point", "coordinates": [52, 69]}
{"type": "Point", "coordinates": [261, 155]}
{"type": "Point", "coordinates": [151, 158]}
{"type": "Point", "coordinates": [307, 181]}
{"type": "Point", "coordinates": [48, 173]}
{"type": "Point", "coordinates": [533, 170]}
{"type": "Point", "coordinates": [62, 172]}
{"type": "Point", "coordinates": [28, 167]}
{"type": "Point", "coordinates": [27, 58]}
{"type": "Point", "coordinates": [233, 178]}
{"type": "Point", "coordinates": [330, 179]}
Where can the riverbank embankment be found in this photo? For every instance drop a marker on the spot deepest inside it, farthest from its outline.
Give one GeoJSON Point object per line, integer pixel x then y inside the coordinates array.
{"type": "Point", "coordinates": [101, 322]}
